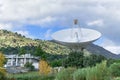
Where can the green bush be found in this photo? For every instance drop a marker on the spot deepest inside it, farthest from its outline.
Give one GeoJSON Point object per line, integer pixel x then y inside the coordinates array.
{"type": "Point", "coordinates": [65, 74]}
{"type": "Point", "coordinates": [99, 72]}
{"type": "Point", "coordinates": [56, 63]}
{"type": "Point", "coordinates": [2, 76]}
{"type": "Point", "coordinates": [74, 59]}
{"type": "Point", "coordinates": [92, 60]}
{"type": "Point", "coordinates": [80, 74]}
{"type": "Point", "coordinates": [29, 66]}
{"type": "Point", "coordinates": [79, 60]}
{"type": "Point", "coordinates": [115, 69]}
{"type": "Point", "coordinates": [111, 61]}
{"type": "Point", "coordinates": [118, 78]}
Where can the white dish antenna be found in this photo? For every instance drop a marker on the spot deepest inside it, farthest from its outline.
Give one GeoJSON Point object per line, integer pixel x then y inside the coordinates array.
{"type": "Point", "coordinates": [76, 37]}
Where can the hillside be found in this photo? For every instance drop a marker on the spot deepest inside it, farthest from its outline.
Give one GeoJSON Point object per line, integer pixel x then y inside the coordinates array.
{"type": "Point", "coordinates": [11, 39]}
{"type": "Point", "coordinates": [95, 49]}
{"type": "Point", "coordinates": [9, 42]}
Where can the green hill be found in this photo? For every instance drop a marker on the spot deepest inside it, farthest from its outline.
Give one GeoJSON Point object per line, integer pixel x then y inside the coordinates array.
{"type": "Point", "coordinates": [11, 39]}
{"type": "Point", "coordinates": [10, 42]}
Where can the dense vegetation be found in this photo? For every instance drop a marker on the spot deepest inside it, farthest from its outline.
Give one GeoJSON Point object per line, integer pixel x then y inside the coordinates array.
{"type": "Point", "coordinates": [80, 60]}
{"type": "Point", "coordinates": [100, 71]}
{"type": "Point", "coordinates": [77, 66]}
{"type": "Point", "coordinates": [91, 67]}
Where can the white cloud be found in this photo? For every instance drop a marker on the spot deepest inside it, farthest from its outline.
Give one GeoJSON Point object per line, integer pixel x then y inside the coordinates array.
{"type": "Point", "coordinates": [47, 19]}
{"type": "Point", "coordinates": [44, 22]}
{"type": "Point", "coordinates": [96, 23]}
{"type": "Point", "coordinates": [6, 26]}
{"type": "Point", "coordinates": [111, 46]}
{"type": "Point", "coordinates": [48, 34]}
{"type": "Point", "coordinates": [113, 49]}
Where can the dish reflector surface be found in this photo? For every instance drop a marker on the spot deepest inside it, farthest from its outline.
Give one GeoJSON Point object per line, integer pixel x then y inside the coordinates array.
{"type": "Point", "coordinates": [76, 35]}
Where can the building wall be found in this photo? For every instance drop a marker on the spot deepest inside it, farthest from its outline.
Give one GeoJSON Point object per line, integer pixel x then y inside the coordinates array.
{"type": "Point", "coordinates": [15, 60]}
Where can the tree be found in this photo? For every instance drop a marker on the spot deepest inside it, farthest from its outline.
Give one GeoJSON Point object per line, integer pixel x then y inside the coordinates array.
{"type": "Point", "coordinates": [74, 59]}
{"type": "Point", "coordinates": [2, 60]}
{"type": "Point", "coordinates": [22, 51]}
{"type": "Point", "coordinates": [39, 52]}
{"type": "Point", "coordinates": [29, 66]}
{"type": "Point", "coordinates": [56, 63]}
{"type": "Point", "coordinates": [44, 67]}
{"type": "Point", "coordinates": [115, 69]}
{"type": "Point", "coordinates": [92, 60]}
{"type": "Point", "coordinates": [111, 61]}
{"type": "Point", "coordinates": [77, 59]}
{"type": "Point", "coordinates": [2, 69]}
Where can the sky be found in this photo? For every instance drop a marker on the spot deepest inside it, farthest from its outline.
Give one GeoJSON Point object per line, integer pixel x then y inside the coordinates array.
{"type": "Point", "coordinates": [38, 19]}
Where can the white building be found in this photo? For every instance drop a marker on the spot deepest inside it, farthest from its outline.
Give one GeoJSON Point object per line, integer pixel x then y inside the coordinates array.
{"type": "Point", "coordinates": [20, 60]}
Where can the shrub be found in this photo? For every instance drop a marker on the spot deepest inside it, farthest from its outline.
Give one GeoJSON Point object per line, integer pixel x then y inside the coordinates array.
{"type": "Point", "coordinates": [111, 61]}
{"type": "Point", "coordinates": [91, 60]}
{"type": "Point", "coordinates": [65, 74]}
{"type": "Point", "coordinates": [2, 69]}
{"type": "Point", "coordinates": [74, 59]}
{"type": "Point", "coordinates": [79, 60]}
{"type": "Point", "coordinates": [29, 66]}
{"type": "Point", "coordinates": [99, 72]}
{"type": "Point", "coordinates": [115, 69]}
{"type": "Point", "coordinates": [44, 67]}
{"type": "Point", "coordinates": [56, 63]}
{"type": "Point", "coordinates": [118, 78]}
{"type": "Point", "coordinates": [80, 74]}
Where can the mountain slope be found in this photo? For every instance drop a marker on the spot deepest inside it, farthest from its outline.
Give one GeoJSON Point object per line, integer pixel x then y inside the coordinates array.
{"type": "Point", "coordinates": [95, 49]}
{"type": "Point", "coordinates": [11, 39]}
{"type": "Point", "coordinates": [10, 42]}
{"type": "Point", "coordinates": [92, 48]}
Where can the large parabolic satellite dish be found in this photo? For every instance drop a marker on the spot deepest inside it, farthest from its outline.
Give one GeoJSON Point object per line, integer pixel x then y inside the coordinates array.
{"type": "Point", "coordinates": [76, 37]}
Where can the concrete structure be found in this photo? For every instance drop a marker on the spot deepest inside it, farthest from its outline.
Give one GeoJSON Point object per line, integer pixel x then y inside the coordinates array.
{"type": "Point", "coordinates": [20, 60]}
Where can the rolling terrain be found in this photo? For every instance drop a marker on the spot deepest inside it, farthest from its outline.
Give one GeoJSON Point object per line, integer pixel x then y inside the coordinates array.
{"type": "Point", "coordinates": [10, 42]}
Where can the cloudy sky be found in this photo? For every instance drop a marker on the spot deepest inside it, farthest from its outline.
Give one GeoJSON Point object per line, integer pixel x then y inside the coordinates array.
{"type": "Point", "coordinates": [40, 18]}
